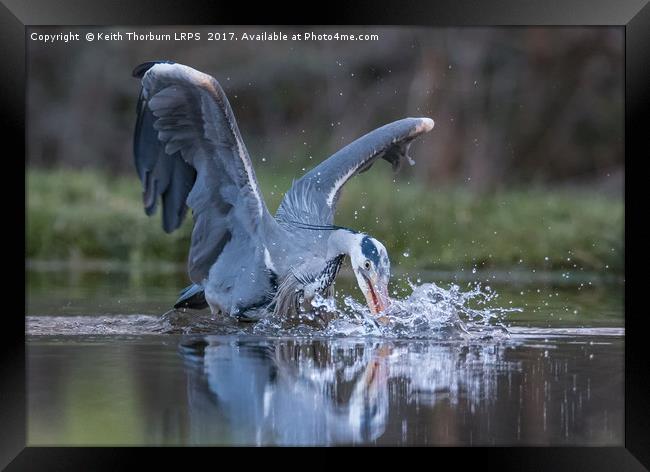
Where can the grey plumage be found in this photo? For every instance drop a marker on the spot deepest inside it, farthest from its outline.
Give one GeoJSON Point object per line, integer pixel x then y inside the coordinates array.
{"type": "Point", "coordinates": [189, 151]}
{"type": "Point", "coordinates": [312, 198]}
{"type": "Point", "coordinates": [296, 291]}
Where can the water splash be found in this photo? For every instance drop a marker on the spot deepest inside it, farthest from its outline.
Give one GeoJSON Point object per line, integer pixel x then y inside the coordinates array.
{"type": "Point", "coordinates": [429, 311]}
{"type": "Point", "coordinates": [432, 311]}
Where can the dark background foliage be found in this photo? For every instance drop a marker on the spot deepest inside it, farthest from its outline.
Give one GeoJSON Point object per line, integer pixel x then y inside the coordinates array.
{"type": "Point", "coordinates": [511, 105]}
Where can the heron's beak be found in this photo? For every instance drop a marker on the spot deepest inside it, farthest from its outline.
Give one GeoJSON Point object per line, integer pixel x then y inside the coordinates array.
{"type": "Point", "coordinates": [376, 294]}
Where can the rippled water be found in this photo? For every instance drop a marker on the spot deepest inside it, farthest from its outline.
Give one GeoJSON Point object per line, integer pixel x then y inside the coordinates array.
{"type": "Point", "coordinates": [451, 363]}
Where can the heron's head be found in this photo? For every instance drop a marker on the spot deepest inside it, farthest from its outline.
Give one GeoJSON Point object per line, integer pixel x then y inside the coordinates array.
{"type": "Point", "coordinates": [371, 267]}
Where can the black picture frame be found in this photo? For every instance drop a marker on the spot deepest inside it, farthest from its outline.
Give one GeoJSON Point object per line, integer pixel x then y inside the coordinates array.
{"type": "Point", "coordinates": [632, 15]}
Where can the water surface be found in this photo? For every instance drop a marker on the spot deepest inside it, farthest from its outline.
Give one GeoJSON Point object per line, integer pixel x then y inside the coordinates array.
{"type": "Point", "coordinates": [105, 368]}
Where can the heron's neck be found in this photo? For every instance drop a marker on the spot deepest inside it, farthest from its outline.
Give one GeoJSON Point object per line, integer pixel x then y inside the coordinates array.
{"type": "Point", "coordinates": [340, 242]}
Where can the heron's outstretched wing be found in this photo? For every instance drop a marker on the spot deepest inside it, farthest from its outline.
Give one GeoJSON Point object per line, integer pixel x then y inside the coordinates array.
{"type": "Point", "coordinates": [188, 150]}
{"type": "Point", "coordinates": [312, 199]}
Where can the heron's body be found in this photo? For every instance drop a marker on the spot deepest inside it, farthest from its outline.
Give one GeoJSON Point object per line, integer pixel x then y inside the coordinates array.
{"type": "Point", "coordinates": [243, 261]}
{"type": "Point", "coordinates": [267, 264]}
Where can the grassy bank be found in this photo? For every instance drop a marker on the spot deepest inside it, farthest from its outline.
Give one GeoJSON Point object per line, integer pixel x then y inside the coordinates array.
{"type": "Point", "coordinates": [92, 216]}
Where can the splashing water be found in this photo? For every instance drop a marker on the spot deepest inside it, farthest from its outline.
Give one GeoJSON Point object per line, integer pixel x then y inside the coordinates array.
{"type": "Point", "coordinates": [432, 311]}
{"type": "Point", "coordinates": [429, 311]}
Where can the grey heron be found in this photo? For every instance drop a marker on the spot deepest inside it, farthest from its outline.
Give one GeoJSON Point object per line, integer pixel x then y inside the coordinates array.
{"type": "Point", "coordinates": [244, 262]}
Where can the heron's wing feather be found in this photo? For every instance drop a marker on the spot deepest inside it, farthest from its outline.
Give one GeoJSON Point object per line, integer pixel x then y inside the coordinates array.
{"type": "Point", "coordinates": [170, 178]}
{"type": "Point", "coordinates": [312, 199]}
{"type": "Point", "coordinates": [189, 151]}
{"type": "Point", "coordinates": [192, 297]}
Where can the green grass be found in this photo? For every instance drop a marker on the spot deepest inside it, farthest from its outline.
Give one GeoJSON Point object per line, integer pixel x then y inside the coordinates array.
{"type": "Point", "coordinates": [89, 215]}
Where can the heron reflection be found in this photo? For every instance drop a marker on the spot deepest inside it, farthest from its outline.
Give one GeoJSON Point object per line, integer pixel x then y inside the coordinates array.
{"type": "Point", "coordinates": [331, 391]}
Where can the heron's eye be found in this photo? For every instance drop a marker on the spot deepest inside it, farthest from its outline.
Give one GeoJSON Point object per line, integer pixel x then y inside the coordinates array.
{"type": "Point", "coordinates": [367, 264]}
